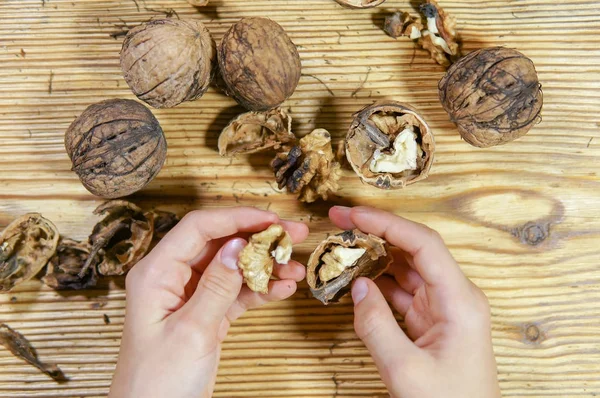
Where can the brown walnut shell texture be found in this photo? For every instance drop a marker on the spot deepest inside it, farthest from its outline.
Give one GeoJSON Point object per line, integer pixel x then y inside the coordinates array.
{"type": "Point", "coordinates": [493, 95]}
{"type": "Point", "coordinates": [259, 63]}
{"type": "Point", "coordinates": [117, 147]}
{"type": "Point", "coordinates": [168, 61]}
{"type": "Point", "coordinates": [26, 245]}
{"type": "Point", "coordinates": [253, 132]}
{"type": "Point", "coordinates": [64, 267]}
{"type": "Point", "coordinates": [361, 145]}
{"type": "Point", "coordinates": [360, 3]}
{"type": "Point", "coordinates": [372, 264]}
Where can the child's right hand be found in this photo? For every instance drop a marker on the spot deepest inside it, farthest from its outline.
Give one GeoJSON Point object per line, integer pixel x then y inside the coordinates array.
{"type": "Point", "coordinates": [448, 352]}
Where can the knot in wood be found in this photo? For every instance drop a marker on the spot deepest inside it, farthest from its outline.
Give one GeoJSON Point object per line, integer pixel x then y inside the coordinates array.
{"type": "Point", "coordinates": [533, 334]}
{"type": "Point", "coordinates": [533, 233]}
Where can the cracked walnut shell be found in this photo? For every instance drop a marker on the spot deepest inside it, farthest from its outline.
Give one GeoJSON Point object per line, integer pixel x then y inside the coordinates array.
{"type": "Point", "coordinates": [63, 271]}
{"type": "Point", "coordinates": [256, 259]}
{"type": "Point", "coordinates": [389, 145]}
{"type": "Point", "coordinates": [168, 61]}
{"type": "Point", "coordinates": [116, 146]}
{"type": "Point", "coordinates": [309, 168]}
{"type": "Point", "coordinates": [360, 3]}
{"type": "Point", "coordinates": [342, 258]}
{"type": "Point", "coordinates": [492, 95]}
{"type": "Point", "coordinates": [256, 131]}
{"type": "Point", "coordinates": [26, 245]}
{"type": "Point", "coordinates": [259, 64]}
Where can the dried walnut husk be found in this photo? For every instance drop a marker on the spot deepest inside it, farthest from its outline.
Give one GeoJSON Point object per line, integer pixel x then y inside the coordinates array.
{"type": "Point", "coordinates": [309, 168]}
{"type": "Point", "coordinates": [493, 95]}
{"type": "Point", "coordinates": [26, 245]}
{"type": "Point", "coordinates": [116, 146]}
{"type": "Point", "coordinates": [168, 61]}
{"type": "Point", "coordinates": [256, 131]}
{"type": "Point", "coordinates": [259, 64]}
{"type": "Point", "coordinates": [122, 238]}
{"type": "Point", "coordinates": [342, 258]}
{"type": "Point", "coordinates": [256, 259]}
{"type": "Point", "coordinates": [64, 268]}
{"type": "Point", "coordinates": [360, 3]}
{"type": "Point", "coordinates": [389, 145]}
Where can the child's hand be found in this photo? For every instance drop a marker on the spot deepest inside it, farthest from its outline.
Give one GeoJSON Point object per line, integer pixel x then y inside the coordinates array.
{"type": "Point", "coordinates": [448, 352]}
{"type": "Point", "coordinates": [182, 298]}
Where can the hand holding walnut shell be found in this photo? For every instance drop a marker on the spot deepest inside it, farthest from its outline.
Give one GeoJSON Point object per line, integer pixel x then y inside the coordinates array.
{"type": "Point", "coordinates": [182, 298]}
{"type": "Point", "coordinates": [447, 349]}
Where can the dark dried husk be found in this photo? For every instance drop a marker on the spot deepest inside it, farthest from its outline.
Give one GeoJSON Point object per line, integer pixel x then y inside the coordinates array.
{"type": "Point", "coordinates": [371, 265]}
{"type": "Point", "coordinates": [64, 268]}
{"type": "Point", "coordinates": [493, 95]}
{"type": "Point", "coordinates": [117, 147]}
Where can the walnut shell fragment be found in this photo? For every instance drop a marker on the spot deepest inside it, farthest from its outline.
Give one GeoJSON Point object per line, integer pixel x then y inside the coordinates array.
{"type": "Point", "coordinates": [164, 221]}
{"type": "Point", "coordinates": [116, 146]}
{"type": "Point", "coordinates": [256, 259]}
{"type": "Point", "coordinates": [309, 168]}
{"type": "Point", "coordinates": [440, 38]}
{"type": "Point", "coordinates": [121, 238]}
{"type": "Point", "coordinates": [168, 61]}
{"type": "Point", "coordinates": [252, 132]}
{"type": "Point", "coordinates": [259, 64]}
{"type": "Point", "coordinates": [342, 258]}
{"type": "Point", "coordinates": [493, 95]}
{"type": "Point", "coordinates": [403, 24]}
{"type": "Point", "coordinates": [64, 267]}
{"type": "Point", "coordinates": [389, 145]}
{"type": "Point", "coordinates": [26, 245]}
{"type": "Point", "coordinates": [360, 3]}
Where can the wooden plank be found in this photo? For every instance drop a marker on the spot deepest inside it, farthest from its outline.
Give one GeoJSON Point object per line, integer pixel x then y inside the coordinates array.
{"type": "Point", "coordinates": [58, 56]}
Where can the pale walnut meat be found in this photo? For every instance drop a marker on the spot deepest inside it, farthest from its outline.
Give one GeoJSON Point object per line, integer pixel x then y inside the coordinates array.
{"type": "Point", "coordinates": [440, 37]}
{"type": "Point", "coordinates": [360, 3]}
{"type": "Point", "coordinates": [256, 259]}
{"type": "Point", "coordinates": [309, 169]}
{"type": "Point", "coordinates": [342, 258]}
{"type": "Point", "coordinates": [256, 131]}
{"type": "Point", "coordinates": [389, 145]}
{"type": "Point", "coordinates": [26, 245]}
{"type": "Point", "coordinates": [403, 24]}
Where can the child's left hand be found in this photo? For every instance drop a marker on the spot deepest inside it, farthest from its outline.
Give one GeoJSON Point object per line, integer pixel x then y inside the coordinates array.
{"type": "Point", "coordinates": [182, 298]}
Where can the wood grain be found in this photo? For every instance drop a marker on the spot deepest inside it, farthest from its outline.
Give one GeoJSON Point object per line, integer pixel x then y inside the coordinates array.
{"type": "Point", "coordinates": [522, 219]}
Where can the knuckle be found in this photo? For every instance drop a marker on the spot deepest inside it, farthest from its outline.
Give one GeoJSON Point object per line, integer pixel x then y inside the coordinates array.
{"type": "Point", "coordinates": [216, 283]}
{"type": "Point", "coordinates": [369, 324]}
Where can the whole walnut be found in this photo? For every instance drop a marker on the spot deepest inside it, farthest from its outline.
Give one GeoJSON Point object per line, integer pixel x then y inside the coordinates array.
{"type": "Point", "coordinates": [168, 61]}
{"type": "Point", "coordinates": [493, 95]}
{"type": "Point", "coordinates": [259, 64]}
{"type": "Point", "coordinates": [116, 146]}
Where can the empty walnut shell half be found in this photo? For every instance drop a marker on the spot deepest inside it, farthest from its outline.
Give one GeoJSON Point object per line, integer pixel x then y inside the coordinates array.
{"type": "Point", "coordinates": [256, 259]}
{"type": "Point", "coordinates": [65, 266]}
{"type": "Point", "coordinates": [26, 245]}
{"type": "Point", "coordinates": [168, 61]}
{"type": "Point", "coordinates": [389, 145]}
{"type": "Point", "coordinates": [493, 95]}
{"type": "Point", "coordinates": [256, 131]}
{"type": "Point", "coordinates": [360, 3]}
{"type": "Point", "coordinates": [342, 258]}
{"type": "Point", "coordinates": [259, 63]}
{"type": "Point", "coordinates": [116, 146]}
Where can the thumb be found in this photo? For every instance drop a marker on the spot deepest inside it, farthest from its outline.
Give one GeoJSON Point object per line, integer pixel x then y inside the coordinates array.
{"type": "Point", "coordinates": [376, 326]}
{"type": "Point", "coordinates": [218, 288]}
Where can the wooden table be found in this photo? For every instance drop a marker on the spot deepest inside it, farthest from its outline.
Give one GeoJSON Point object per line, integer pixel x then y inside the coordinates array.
{"type": "Point", "coordinates": [522, 219]}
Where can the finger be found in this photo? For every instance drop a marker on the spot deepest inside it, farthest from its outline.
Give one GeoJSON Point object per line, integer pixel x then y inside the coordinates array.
{"type": "Point", "coordinates": [340, 216]}
{"type": "Point", "coordinates": [376, 326]}
{"type": "Point", "coordinates": [247, 299]}
{"type": "Point", "coordinates": [298, 231]}
{"type": "Point", "coordinates": [186, 241]}
{"type": "Point", "coordinates": [432, 259]}
{"type": "Point", "coordinates": [399, 298]}
{"type": "Point", "coordinates": [292, 270]}
{"type": "Point", "coordinates": [217, 290]}
{"type": "Point", "coordinates": [406, 277]}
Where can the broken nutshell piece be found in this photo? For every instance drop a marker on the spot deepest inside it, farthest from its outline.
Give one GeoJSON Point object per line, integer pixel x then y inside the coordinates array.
{"type": "Point", "coordinates": [121, 238]}
{"type": "Point", "coordinates": [342, 258]}
{"type": "Point", "coordinates": [168, 61]}
{"type": "Point", "coordinates": [440, 38]}
{"type": "Point", "coordinates": [493, 95]}
{"type": "Point", "coordinates": [256, 259]}
{"type": "Point", "coordinates": [259, 64]}
{"type": "Point", "coordinates": [403, 24]}
{"type": "Point", "coordinates": [309, 168]}
{"type": "Point", "coordinates": [116, 146]}
{"type": "Point", "coordinates": [65, 266]}
{"type": "Point", "coordinates": [360, 3]}
{"type": "Point", "coordinates": [26, 245]}
{"type": "Point", "coordinates": [389, 145]}
{"type": "Point", "coordinates": [256, 131]}
{"type": "Point", "coordinates": [164, 221]}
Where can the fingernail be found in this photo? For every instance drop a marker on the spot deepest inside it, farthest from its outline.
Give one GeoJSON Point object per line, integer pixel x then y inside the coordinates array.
{"type": "Point", "coordinates": [359, 290]}
{"type": "Point", "coordinates": [231, 252]}
{"type": "Point", "coordinates": [343, 209]}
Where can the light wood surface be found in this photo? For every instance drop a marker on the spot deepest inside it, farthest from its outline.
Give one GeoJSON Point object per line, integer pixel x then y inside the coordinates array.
{"type": "Point", "coordinates": [522, 219]}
